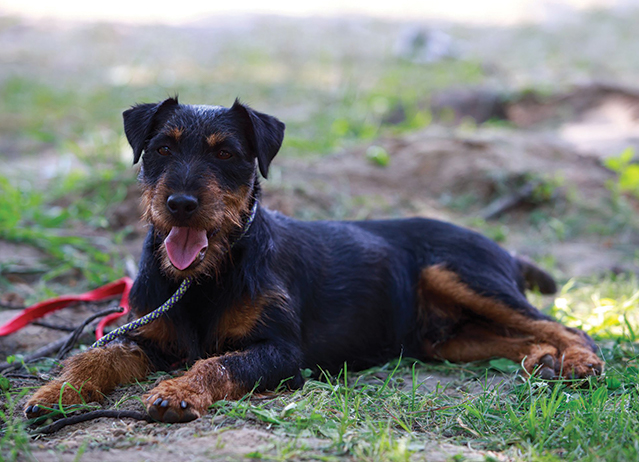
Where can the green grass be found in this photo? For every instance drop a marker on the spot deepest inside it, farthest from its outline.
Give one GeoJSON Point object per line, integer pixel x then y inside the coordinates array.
{"type": "Point", "coordinates": [386, 413]}
{"type": "Point", "coordinates": [383, 414]}
{"type": "Point", "coordinates": [31, 217]}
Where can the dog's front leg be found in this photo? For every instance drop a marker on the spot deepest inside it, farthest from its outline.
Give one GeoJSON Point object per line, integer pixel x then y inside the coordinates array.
{"type": "Point", "coordinates": [89, 376]}
{"type": "Point", "coordinates": [230, 376]}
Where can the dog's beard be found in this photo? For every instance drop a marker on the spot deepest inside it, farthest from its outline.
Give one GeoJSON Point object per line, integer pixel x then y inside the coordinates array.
{"type": "Point", "coordinates": [196, 250]}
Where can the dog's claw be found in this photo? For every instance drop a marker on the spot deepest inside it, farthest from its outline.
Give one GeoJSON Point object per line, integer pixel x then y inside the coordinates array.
{"type": "Point", "coordinates": [546, 373]}
{"type": "Point", "coordinates": [547, 361]}
{"type": "Point", "coordinates": [33, 410]}
{"type": "Point", "coordinates": [161, 412]}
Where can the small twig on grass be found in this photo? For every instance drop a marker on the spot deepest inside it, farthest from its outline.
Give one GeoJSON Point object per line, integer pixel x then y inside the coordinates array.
{"type": "Point", "coordinates": [9, 306]}
{"type": "Point", "coordinates": [42, 352]}
{"type": "Point", "coordinates": [53, 327]}
{"type": "Point", "coordinates": [111, 413]}
{"type": "Point", "coordinates": [24, 376]}
{"type": "Point", "coordinates": [503, 204]}
{"type": "Point", "coordinates": [68, 346]}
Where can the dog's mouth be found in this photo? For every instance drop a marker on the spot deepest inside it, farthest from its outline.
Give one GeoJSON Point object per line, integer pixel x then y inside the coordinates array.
{"type": "Point", "coordinates": [187, 247]}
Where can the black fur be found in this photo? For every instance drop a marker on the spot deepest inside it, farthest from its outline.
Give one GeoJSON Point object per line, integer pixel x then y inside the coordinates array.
{"type": "Point", "coordinates": [347, 289]}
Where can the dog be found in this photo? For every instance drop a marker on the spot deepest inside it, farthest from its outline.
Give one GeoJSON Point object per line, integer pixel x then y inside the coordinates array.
{"type": "Point", "coordinates": [272, 296]}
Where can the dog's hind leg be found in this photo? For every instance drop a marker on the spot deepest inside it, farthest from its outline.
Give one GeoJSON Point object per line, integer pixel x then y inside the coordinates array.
{"type": "Point", "coordinates": [474, 342]}
{"type": "Point", "coordinates": [504, 324]}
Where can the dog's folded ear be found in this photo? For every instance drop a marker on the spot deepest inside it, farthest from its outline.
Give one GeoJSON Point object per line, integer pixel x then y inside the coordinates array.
{"type": "Point", "coordinates": [141, 121]}
{"type": "Point", "coordinates": [265, 133]}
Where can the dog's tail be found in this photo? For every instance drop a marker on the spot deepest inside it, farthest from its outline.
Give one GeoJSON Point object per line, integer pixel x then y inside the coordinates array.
{"type": "Point", "coordinates": [535, 277]}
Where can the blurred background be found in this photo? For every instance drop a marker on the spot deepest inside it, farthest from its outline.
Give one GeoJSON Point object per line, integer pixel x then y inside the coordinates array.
{"type": "Point", "coordinates": [519, 119]}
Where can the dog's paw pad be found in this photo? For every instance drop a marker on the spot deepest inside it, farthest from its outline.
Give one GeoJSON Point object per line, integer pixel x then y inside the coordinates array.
{"type": "Point", "coordinates": [171, 411]}
{"type": "Point", "coordinates": [175, 400]}
{"type": "Point", "coordinates": [541, 361]}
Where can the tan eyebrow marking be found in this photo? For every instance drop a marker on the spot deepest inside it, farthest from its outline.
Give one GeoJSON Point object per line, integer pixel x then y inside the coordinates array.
{"type": "Point", "coordinates": [175, 132]}
{"type": "Point", "coordinates": [216, 138]}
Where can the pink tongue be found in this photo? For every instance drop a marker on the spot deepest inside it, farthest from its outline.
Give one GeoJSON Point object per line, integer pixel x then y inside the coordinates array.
{"type": "Point", "coordinates": [184, 244]}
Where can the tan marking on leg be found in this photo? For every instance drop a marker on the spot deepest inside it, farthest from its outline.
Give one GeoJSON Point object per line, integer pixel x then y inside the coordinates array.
{"type": "Point", "coordinates": [447, 284]}
{"type": "Point", "coordinates": [188, 397]}
{"type": "Point", "coordinates": [93, 374]}
{"type": "Point", "coordinates": [160, 331]}
{"type": "Point", "coordinates": [476, 343]}
{"type": "Point", "coordinates": [574, 351]}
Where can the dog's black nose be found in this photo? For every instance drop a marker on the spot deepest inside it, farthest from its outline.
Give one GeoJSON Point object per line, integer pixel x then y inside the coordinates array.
{"type": "Point", "coordinates": [181, 206]}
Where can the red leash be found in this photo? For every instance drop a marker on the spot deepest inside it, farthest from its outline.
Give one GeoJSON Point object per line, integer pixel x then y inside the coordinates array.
{"type": "Point", "coordinates": [121, 286]}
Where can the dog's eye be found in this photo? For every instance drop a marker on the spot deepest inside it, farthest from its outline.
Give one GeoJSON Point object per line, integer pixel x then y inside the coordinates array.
{"type": "Point", "coordinates": [223, 155]}
{"type": "Point", "coordinates": [164, 151]}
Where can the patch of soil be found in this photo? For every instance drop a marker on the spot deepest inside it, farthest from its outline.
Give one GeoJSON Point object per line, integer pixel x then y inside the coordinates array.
{"type": "Point", "coordinates": [217, 438]}
{"type": "Point", "coordinates": [117, 441]}
{"type": "Point", "coordinates": [599, 119]}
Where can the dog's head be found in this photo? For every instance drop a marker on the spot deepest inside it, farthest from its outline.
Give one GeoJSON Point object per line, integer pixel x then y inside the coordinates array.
{"type": "Point", "coordinates": [199, 174]}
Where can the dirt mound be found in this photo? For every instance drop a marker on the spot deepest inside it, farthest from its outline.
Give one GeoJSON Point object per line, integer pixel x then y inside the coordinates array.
{"type": "Point", "coordinates": [599, 119]}
{"type": "Point", "coordinates": [434, 162]}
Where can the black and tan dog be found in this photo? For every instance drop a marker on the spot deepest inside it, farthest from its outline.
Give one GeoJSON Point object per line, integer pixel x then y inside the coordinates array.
{"type": "Point", "coordinates": [288, 294]}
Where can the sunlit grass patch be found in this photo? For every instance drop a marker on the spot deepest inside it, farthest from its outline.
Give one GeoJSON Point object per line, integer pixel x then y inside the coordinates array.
{"type": "Point", "coordinates": [607, 308]}
{"type": "Point", "coordinates": [385, 414]}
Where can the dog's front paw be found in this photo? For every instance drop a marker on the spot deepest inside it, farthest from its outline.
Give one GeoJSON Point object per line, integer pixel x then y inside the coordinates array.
{"type": "Point", "coordinates": [542, 360]}
{"type": "Point", "coordinates": [579, 362]}
{"type": "Point", "coordinates": [58, 393]}
{"type": "Point", "coordinates": [177, 400]}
